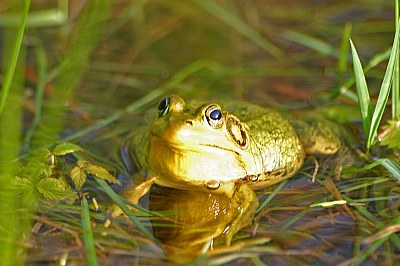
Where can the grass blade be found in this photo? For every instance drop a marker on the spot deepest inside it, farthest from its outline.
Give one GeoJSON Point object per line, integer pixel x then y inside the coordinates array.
{"type": "Point", "coordinates": [392, 167]}
{"type": "Point", "coordinates": [39, 95]}
{"type": "Point", "coordinates": [344, 50]}
{"type": "Point", "coordinates": [116, 199]}
{"type": "Point", "coordinates": [384, 92]}
{"type": "Point", "coordinates": [271, 196]}
{"type": "Point", "coordinates": [372, 63]}
{"type": "Point", "coordinates": [311, 42]}
{"type": "Point", "coordinates": [395, 88]}
{"type": "Point", "coordinates": [362, 91]}
{"type": "Point", "coordinates": [90, 251]}
{"type": "Point", "coordinates": [239, 25]}
{"type": "Point", "coordinates": [71, 70]}
{"type": "Point", "coordinates": [14, 57]}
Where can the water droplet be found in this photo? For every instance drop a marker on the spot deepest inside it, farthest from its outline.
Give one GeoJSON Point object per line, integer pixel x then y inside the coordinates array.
{"type": "Point", "coordinates": [213, 184]}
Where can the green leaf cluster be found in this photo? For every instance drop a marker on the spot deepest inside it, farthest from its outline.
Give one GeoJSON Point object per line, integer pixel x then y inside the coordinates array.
{"type": "Point", "coordinates": [49, 177]}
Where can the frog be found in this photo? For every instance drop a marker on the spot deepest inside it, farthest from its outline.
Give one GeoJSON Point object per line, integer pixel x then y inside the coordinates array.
{"type": "Point", "coordinates": [226, 147]}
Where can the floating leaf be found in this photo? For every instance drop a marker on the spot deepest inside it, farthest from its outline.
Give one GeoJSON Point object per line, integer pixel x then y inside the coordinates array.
{"type": "Point", "coordinates": [52, 189]}
{"type": "Point", "coordinates": [78, 176]}
{"type": "Point", "coordinates": [65, 148]}
{"type": "Point", "coordinates": [99, 172]}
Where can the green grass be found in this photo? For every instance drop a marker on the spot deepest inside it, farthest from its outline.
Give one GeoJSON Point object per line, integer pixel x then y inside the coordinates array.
{"type": "Point", "coordinates": [14, 57]}
{"type": "Point", "coordinates": [90, 249]}
{"type": "Point", "coordinates": [371, 120]}
{"type": "Point", "coordinates": [396, 83]}
{"type": "Point", "coordinates": [14, 225]}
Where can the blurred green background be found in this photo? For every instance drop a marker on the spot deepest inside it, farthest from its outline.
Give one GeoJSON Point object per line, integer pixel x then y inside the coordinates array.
{"type": "Point", "coordinates": [89, 71]}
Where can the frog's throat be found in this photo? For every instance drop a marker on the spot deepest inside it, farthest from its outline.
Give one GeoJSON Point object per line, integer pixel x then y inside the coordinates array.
{"type": "Point", "coordinates": [196, 164]}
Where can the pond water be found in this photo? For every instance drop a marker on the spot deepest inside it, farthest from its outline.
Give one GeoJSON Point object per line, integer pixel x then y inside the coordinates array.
{"type": "Point", "coordinates": [95, 78]}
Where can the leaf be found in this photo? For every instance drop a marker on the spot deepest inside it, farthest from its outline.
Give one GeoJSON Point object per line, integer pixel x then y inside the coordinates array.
{"type": "Point", "coordinates": [100, 172]}
{"type": "Point", "coordinates": [47, 170]}
{"type": "Point", "coordinates": [384, 91]}
{"type": "Point", "coordinates": [65, 148]}
{"type": "Point", "coordinates": [392, 140]}
{"type": "Point", "coordinates": [52, 189]}
{"type": "Point", "coordinates": [40, 169]}
{"type": "Point", "coordinates": [35, 169]}
{"type": "Point", "coordinates": [41, 155]}
{"type": "Point", "coordinates": [21, 183]}
{"type": "Point", "coordinates": [30, 198]}
{"type": "Point", "coordinates": [372, 165]}
{"type": "Point", "coordinates": [26, 189]}
{"type": "Point", "coordinates": [78, 177]}
{"type": "Point", "coordinates": [392, 167]}
{"type": "Point", "coordinates": [90, 248]}
{"type": "Point", "coordinates": [364, 102]}
{"type": "Point", "coordinates": [392, 137]}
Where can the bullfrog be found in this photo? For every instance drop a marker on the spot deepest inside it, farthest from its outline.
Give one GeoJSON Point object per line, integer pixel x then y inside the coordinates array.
{"type": "Point", "coordinates": [225, 147]}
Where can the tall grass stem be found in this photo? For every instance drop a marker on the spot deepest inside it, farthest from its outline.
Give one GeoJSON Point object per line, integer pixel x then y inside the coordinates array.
{"type": "Point", "coordinates": [14, 57]}
{"type": "Point", "coordinates": [396, 85]}
{"type": "Point", "coordinates": [364, 101]}
{"type": "Point", "coordinates": [90, 250]}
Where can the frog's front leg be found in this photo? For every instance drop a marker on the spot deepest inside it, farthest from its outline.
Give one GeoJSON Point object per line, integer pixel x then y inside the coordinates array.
{"type": "Point", "coordinates": [247, 203]}
{"type": "Point", "coordinates": [133, 194]}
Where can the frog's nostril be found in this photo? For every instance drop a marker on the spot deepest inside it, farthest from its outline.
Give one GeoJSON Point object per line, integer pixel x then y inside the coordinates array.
{"type": "Point", "coordinates": [189, 122]}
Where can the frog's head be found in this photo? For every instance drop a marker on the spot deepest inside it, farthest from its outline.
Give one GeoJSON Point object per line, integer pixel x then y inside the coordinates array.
{"type": "Point", "coordinates": [197, 144]}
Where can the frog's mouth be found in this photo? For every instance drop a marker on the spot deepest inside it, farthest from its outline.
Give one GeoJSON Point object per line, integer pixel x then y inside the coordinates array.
{"type": "Point", "coordinates": [219, 147]}
{"type": "Point", "coordinates": [193, 143]}
{"type": "Point", "coordinates": [196, 147]}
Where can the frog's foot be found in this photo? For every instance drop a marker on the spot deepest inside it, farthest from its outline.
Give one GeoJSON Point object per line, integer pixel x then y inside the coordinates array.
{"type": "Point", "coordinates": [247, 203]}
{"type": "Point", "coordinates": [132, 194]}
{"type": "Point", "coordinates": [316, 167]}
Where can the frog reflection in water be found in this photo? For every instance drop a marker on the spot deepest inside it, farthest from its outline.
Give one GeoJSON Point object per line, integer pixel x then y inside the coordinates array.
{"type": "Point", "coordinates": [227, 149]}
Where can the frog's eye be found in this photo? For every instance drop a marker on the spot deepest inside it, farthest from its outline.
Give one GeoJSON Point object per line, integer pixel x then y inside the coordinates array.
{"type": "Point", "coordinates": [214, 117]}
{"type": "Point", "coordinates": [163, 107]}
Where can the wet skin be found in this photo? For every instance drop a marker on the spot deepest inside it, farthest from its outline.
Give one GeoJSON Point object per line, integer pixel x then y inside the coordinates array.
{"type": "Point", "coordinates": [228, 148]}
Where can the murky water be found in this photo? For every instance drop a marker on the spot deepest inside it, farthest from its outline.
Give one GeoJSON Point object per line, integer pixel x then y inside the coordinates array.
{"type": "Point", "coordinates": [284, 54]}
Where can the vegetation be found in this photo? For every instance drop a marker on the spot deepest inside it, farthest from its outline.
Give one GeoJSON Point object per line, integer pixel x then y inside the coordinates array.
{"type": "Point", "coordinates": [78, 81]}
